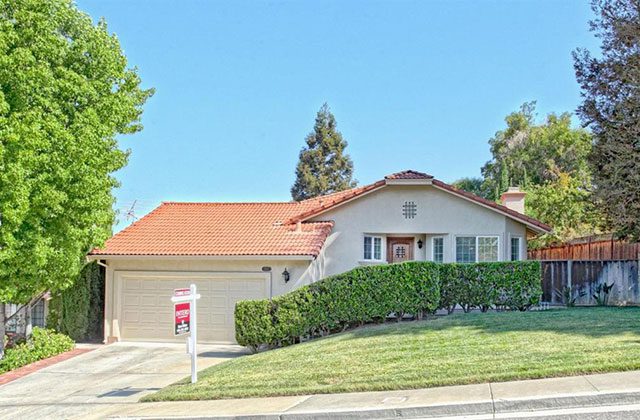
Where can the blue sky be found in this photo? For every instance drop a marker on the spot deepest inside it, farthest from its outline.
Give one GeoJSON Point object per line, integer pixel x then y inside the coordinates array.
{"type": "Point", "coordinates": [413, 85]}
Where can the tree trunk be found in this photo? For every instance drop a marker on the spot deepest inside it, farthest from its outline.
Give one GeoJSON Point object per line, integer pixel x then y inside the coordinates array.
{"type": "Point", "coordinates": [1, 330]}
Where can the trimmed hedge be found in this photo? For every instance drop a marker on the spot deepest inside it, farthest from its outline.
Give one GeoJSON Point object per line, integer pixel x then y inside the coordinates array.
{"type": "Point", "coordinates": [42, 344]}
{"type": "Point", "coordinates": [372, 293]}
{"type": "Point", "coordinates": [502, 285]}
{"type": "Point", "coordinates": [364, 294]}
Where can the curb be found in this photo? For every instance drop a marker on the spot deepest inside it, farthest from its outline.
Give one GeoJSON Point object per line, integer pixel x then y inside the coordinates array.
{"type": "Point", "coordinates": [435, 411]}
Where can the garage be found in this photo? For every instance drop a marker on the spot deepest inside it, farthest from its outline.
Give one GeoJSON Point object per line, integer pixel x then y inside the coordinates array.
{"type": "Point", "coordinates": [146, 312]}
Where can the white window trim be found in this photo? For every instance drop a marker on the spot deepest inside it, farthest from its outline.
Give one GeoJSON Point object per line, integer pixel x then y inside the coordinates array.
{"type": "Point", "coordinates": [520, 242]}
{"type": "Point", "coordinates": [373, 239]}
{"type": "Point", "coordinates": [455, 244]}
{"type": "Point", "coordinates": [433, 247]}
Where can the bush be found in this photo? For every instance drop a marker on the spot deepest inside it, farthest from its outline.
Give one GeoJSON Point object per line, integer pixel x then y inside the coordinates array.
{"type": "Point", "coordinates": [364, 294]}
{"type": "Point", "coordinates": [372, 293]}
{"type": "Point", "coordinates": [501, 285]}
{"type": "Point", "coordinates": [42, 344]}
{"type": "Point", "coordinates": [78, 311]}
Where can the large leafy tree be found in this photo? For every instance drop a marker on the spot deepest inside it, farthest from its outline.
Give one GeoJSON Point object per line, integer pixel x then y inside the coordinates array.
{"type": "Point", "coordinates": [66, 92]}
{"type": "Point", "coordinates": [549, 160]}
{"type": "Point", "coordinates": [323, 166]}
{"type": "Point", "coordinates": [611, 109]}
{"type": "Point", "coordinates": [476, 186]}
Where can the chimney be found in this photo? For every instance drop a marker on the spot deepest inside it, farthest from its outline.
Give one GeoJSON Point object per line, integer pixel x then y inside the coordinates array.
{"type": "Point", "coordinates": [513, 199]}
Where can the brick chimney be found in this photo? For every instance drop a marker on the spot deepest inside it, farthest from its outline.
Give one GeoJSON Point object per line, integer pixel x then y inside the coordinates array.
{"type": "Point", "coordinates": [513, 199]}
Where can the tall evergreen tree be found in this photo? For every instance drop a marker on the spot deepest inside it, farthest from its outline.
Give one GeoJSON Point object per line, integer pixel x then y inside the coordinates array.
{"type": "Point", "coordinates": [611, 108]}
{"type": "Point", "coordinates": [323, 167]}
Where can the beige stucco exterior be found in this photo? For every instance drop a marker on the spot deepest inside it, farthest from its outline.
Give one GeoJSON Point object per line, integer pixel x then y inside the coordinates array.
{"type": "Point", "coordinates": [438, 213]}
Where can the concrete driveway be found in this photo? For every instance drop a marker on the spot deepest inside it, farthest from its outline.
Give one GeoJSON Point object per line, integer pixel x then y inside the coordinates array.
{"type": "Point", "coordinates": [101, 381]}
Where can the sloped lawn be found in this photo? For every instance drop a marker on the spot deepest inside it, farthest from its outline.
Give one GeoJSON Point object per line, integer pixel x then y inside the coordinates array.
{"type": "Point", "coordinates": [456, 349]}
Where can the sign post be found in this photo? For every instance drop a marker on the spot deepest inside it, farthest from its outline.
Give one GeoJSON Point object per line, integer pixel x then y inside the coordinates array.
{"type": "Point", "coordinates": [185, 321]}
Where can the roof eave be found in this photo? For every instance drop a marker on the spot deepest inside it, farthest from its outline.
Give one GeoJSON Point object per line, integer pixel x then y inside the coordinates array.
{"type": "Point", "coordinates": [299, 257]}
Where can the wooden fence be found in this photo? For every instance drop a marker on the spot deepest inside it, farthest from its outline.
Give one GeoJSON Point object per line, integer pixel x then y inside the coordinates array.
{"type": "Point", "coordinates": [584, 276]}
{"type": "Point", "coordinates": [600, 250]}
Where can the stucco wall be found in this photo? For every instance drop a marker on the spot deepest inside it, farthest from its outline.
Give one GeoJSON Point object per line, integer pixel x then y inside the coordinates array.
{"type": "Point", "coordinates": [439, 213]}
{"type": "Point", "coordinates": [302, 272]}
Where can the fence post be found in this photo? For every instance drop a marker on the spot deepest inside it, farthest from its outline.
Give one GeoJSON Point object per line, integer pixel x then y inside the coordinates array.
{"type": "Point", "coordinates": [569, 272]}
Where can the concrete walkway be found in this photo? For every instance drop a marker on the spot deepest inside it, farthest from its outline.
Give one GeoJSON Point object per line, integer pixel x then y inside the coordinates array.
{"type": "Point", "coordinates": [108, 378]}
{"type": "Point", "coordinates": [483, 401]}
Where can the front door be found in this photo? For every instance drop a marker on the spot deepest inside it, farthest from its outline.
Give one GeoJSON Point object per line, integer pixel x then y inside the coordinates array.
{"type": "Point", "coordinates": [399, 249]}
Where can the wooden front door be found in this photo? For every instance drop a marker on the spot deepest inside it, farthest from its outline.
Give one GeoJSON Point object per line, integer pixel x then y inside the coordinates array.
{"type": "Point", "coordinates": [399, 249]}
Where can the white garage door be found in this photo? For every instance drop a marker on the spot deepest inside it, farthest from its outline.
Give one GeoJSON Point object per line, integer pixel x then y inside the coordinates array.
{"type": "Point", "coordinates": [146, 311]}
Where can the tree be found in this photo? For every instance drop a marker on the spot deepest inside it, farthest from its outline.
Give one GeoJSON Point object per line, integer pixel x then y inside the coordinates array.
{"type": "Point", "coordinates": [476, 186]}
{"type": "Point", "coordinates": [611, 109]}
{"type": "Point", "coordinates": [565, 206]}
{"type": "Point", "coordinates": [323, 167]}
{"type": "Point", "coordinates": [549, 160]}
{"type": "Point", "coordinates": [526, 153]}
{"type": "Point", "coordinates": [65, 94]}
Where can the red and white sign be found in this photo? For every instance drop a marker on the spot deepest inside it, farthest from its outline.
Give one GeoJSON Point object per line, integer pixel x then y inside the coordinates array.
{"type": "Point", "coordinates": [181, 292]}
{"type": "Point", "coordinates": [182, 317]}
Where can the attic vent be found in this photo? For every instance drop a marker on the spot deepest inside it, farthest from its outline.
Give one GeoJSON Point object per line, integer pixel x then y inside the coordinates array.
{"type": "Point", "coordinates": [409, 209]}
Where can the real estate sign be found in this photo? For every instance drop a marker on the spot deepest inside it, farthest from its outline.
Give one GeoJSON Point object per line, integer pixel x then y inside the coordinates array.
{"type": "Point", "coordinates": [182, 313]}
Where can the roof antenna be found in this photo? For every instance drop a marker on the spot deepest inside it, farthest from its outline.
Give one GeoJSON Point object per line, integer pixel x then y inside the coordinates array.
{"type": "Point", "coordinates": [130, 215]}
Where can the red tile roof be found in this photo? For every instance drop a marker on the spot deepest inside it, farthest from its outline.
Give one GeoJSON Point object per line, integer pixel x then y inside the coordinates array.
{"type": "Point", "coordinates": [409, 175]}
{"type": "Point", "coordinates": [226, 229]}
{"type": "Point", "coordinates": [207, 229]}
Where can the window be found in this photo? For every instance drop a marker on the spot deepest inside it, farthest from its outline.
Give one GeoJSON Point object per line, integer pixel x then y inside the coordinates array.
{"type": "Point", "coordinates": [37, 314]}
{"type": "Point", "coordinates": [515, 249]}
{"type": "Point", "coordinates": [476, 248]}
{"type": "Point", "coordinates": [438, 249]}
{"type": "Point", "coordinates": [373, 248]}
{"type": "Point", "coordinates": [487, 248]}
{"type": "Point", "coordinates": [466, 249]}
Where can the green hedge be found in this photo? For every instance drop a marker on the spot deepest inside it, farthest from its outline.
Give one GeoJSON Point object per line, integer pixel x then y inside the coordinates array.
{"type": "Point", "coordinates": [42, 344]}
{"type": "Point", "coordinates": [501, 285]}
{"type": "Point", "coordinates": [372, 293]}
{"type": "Point", "coordinates": [78, 311]}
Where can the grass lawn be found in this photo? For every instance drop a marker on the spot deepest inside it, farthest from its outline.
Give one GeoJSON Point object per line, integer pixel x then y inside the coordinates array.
{"type": "Point", "coordinates": [456, 349]}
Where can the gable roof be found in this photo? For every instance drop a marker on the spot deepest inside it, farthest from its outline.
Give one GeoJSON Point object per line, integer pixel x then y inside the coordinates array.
{"type": "Point", "coordinates": [349, 195]}
{"type": "Point", "coordinates": [260, 229]}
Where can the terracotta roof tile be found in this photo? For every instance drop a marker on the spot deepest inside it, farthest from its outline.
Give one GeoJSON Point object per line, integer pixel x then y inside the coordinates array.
{"type": "Point", "coordinates": [409, 175]}
{"type": "Point", "coordinates": [225, 229]}
{"type": "Point", "coordinates": [209, 229]}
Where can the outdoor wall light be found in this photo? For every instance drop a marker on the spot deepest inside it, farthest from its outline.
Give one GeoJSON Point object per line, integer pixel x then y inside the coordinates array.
{"type": "Point", "coordinates": [420, 243]}
{"type": "Point", "coordinates": [285, 275]}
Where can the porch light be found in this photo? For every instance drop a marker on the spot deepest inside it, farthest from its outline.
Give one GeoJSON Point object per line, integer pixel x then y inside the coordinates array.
{"type": "Point", "coordinates": [420, 243]}
{"type": "Point", "coordinates": [285, 275]}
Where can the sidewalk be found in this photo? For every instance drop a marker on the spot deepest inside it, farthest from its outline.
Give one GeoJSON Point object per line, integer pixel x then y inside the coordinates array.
{"type": "Point", "coordinates": [484, 400]}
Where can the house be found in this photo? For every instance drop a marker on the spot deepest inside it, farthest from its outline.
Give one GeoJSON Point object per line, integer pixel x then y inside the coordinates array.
{"type": "Point", "coordinates": [236, 251]}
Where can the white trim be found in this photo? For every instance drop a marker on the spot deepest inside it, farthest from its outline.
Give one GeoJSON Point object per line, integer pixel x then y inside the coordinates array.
{"type": "Point", "coordinates": [455, 245]}
{"type": "Point", "coordinates": [433, 247]}
{"type": "Point", "coordinates": [373, 247]}
{"type": "Point", "coordinates": [203, 257]}
{"type": "Point", "coordinates": [408, 181]}
{"type": "Point", "coordinates": [524, 222]}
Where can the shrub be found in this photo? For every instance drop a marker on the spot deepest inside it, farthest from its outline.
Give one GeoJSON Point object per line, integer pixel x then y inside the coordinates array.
{"type": "Point", "coordinates": [503, 285]}
{"type": "Point", "coordinates": [372, 293]}
{"type": "Point", "coordinates": [364, 294]}
{"type": "Point", "coordinates": [78, 311]}
{"type": "Point", "coordinates": [42, 344]}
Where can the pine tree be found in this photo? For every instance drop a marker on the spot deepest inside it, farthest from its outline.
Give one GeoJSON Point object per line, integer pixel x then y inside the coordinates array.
{"type": "Point", "coordinates": [323, 167]}
{"type": "Point", "coordinates": [611, 108]}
